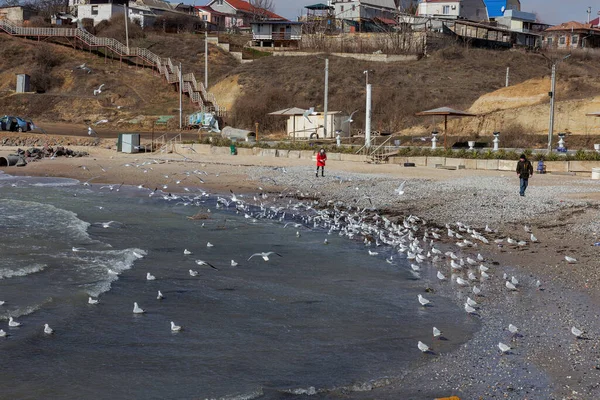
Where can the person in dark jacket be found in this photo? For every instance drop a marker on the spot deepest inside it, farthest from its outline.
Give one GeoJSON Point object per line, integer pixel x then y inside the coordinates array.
{"type": "Point", "coordinates": [524, 171]}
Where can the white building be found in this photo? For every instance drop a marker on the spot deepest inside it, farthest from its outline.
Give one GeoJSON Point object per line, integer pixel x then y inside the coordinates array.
{"type": "Point", "coordinates": [99, 12]}
{"type": "Point", "coordinates": [474, 10]}
{"type": "Point", "coordinates": [299, 126]}
{"type": "Point", "coordinates": [364, 9]}
{"type": "Point", "coordinates": [276, 33]}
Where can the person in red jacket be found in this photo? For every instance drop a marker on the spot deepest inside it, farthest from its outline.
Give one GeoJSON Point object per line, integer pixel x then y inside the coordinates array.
{"type": "Point", "coordinates": [321, 158]}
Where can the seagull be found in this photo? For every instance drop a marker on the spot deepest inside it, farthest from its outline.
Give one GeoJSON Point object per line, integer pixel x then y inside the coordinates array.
{"type": "Point", "coordinates": [12, 323]}
{"type": "Point", "coordinates": [2, 302]}
{"type": "Point", "coordinates": [423, 301]}
{"type": "Point", "coordinates": [400, 189]}
{"type": "Point", "coordinates": [310, 111]}
{"type": "Point", "coordinates": [373, 253]}
{"type": "Point", "coordinates": [83, 67]}
{"type": "Point", "coordinates": [440, 276]}
{"type": "Point", "coordinates": [423, 347]}
{"type": "Point", "coordinates": [187, 252]}
{"type": "Point", "coordinates": [512, 329]}
{"type": "Point", "coordinates": [209, 244]}
{"type": "Point", "coordinates": [570, 260]}
{"type": "Point", "coordinates": [471, 302]}
{"type": "Point", "coordinates": [137, 309]}
{"type": "Point", "coordinates": [461, 281]}
{"type": "Point", "coordinates": [514, 280]}
{"type": "Point", "coordinates": [160, 296]}
{"type": "Point", "coordinates": [265, 255]}
{"type": "Point", "coordinates": [480, 257]}
{"type": "Point", "coordinates": [150, 277]}
{"type": "Point", "coordinates": [510, 286]}
{"type": "Point", "coordinates": [436, 332]}
{"type": "Point", "coordinates": [91, 300]}
{"type": "Point", "coordinates": [533, 238]}
{"type": "Point", "coordinates": [576, 332]}
{"type": "Point", "coordinates": [175, 328]}
{"type": "Point", "coordinates": [200, 262]}
{"type": "Point", "coordinates": [349, 119]}
{"type": "Point", "coordinates": [2, 333]}
{"type": "Point", "coordinates": [233, 263]}
{"type": "Point", "coordinates": [137, 255]}
{"type": "Point", "coordinates": [484, 275]}
{"type": "Point", "coordinates": [503, 348]}
{"type": "Point", "coordinates": [99, 90]}
{"type": "Point", "coordinates": [469, 309]}
{"type": "Point", "coordinates": [476, 290]}
{"type": "Point", "coordinates": [48, 330]}
{"type": "Point", "coordinates": [193, 273]}
{"type": "Point", "coordinates": [472, 276]}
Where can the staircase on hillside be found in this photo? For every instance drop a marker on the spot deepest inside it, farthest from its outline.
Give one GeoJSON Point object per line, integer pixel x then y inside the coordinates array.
{"type": "Point", "coordinates": [194, 89]}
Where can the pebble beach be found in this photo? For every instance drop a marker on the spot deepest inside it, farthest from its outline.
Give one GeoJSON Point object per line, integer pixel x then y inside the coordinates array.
{"type": "Point", "coordinates": [545, 362]}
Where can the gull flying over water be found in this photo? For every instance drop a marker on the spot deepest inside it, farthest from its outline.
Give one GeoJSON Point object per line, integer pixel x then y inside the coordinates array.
{"type": "Point", "coordinates": [99, 90]}
{"type": "Point", "coordinates": [200, 262]}
{"type": "Point", "coordinates": [264, 255]}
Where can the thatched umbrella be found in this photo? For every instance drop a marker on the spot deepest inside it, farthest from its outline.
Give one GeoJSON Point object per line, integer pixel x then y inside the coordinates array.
{"type": "Point", "coordinates": [446, 112]}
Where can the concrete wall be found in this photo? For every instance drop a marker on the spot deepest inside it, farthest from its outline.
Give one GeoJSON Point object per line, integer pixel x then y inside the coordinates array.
{"type": "Point", "coordinates": [386, 58]}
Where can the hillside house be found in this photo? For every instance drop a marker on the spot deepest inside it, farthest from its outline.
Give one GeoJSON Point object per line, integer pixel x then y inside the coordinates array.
{"type": "Point", "coordinates": [17, 14]}
{"type": "Point", "coordinates": [496, 8]}
{"type": "Point", "coordinates": [572, 35]}
{"type": "Point", "coordinates": [364, 15]}
{"type": "Point", "coordinates": [239, 14]}
{"type": "Point", "coordinates": [276, 33]}
{"type": "Point", "coordinates": [143, 12]}
{"type": "Point", "coordinates": [214, 20]}
{"type": "Point", "coordinates": [473, 10]}
{"type": "Point", "coordinates": [520, 21]}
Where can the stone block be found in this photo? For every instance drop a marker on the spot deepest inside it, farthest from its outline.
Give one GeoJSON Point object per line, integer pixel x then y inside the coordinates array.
{"type": "Point", "coordinates": [583, 166]}
{"type": "Point", "coordinates": [490, 165]}
{"type": "Point", "coordinates": [244, 151]}
{"type": "Point", "coordinates": [307, 154]}
{"type": "Point", "coordinates": [282, 153]}
{"type": "Point", "coordinates": [433, 161]}
{"type": "Point", "coordinates": [294, 154]}
{"type": "Point", "coordinates": [470, 163]}
{"type": "Point", "coordinates": [220, 151]}
{"type": "Point", "coordinates": [507, 165]}
{"type": "Point", "coordinates": [554, 166]}
{"type": "Point", "coordinates": [268, 153]}
{"type": "Point", "coordinates": [398, 160]}
{"type": "Point", "coordinates": [455, 162]}
{"type": "Point", "coordinates": [334, 156]}
{"type": "Point", "coordinates": [353, 157]}
{"type": "Point", "coordinates": [419, 161]}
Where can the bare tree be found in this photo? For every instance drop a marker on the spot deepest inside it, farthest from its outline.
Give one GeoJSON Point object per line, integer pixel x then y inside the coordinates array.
{"type": "Point", "coordinates": [46, 8]}
{"type": "Point", "coordinates": [261, 9]}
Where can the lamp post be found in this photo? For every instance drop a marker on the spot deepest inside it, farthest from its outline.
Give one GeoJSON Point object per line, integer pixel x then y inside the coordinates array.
{"type": "Point", "coordinates": [206, 57]}
{"type": "Point", "coordinates": [326, 97]}
{"type": "Point", "coordinates": [126, 26]}
{"type": "Point", "coordinates": [180, 98]}
{"type": "Point", "coordinates": [552, 98]}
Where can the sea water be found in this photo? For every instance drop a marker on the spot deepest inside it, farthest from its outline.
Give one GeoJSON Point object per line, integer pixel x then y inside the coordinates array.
{"type": "Point", "coordinates": [317, 319]}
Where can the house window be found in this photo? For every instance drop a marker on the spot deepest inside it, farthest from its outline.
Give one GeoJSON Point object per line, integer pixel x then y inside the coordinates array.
{"type": "Point", "coordinates": [94, 10]}
{"type": "Point", "coordinates": [549, 41]}
{"type": "Point", "coordinates": [446, 10]}
{"type": "Point", "coordinates": [353, 7]}
{"type": "Point", "coordinates": [562, 40]}
{"type": "Point", "coordinates": [204, 17]}
{"type": "Point", "coordinates": [342, 8]}
{"type": "Point", "coordinates": [574, 39]}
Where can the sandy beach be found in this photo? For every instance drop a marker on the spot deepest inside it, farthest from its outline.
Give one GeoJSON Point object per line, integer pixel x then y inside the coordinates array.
{"type": "Point", "coordinates": [546, 360]}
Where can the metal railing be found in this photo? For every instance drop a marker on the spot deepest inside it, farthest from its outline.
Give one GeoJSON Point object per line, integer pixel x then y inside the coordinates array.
{"type": "Point", "coordinates": [196, 90]}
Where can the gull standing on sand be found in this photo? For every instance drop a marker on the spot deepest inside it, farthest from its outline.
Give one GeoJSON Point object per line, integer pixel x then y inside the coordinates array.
{"type": "Point", "coordinates": [137, 309]}
{"type": "Point", "coordinates": [503, 348]}
{"type": "Point", "coordinates": [476, 290]}
{"type": "Point", "coordinates": [264, 255]}
{"type": "Point", "coordinates": [423, 347]}
{"type": "Point", "coordinates": [471, 302]}
{"type": "Point", "coordinates": [570, 260]}
{"type": "Point", "coordinates": [436, 332]}
{"type": "Point", "coordinates": [461, 281]}
{"type": "Point", "coordinates": [513, 329]}
{"type": "Point", "coordinates": [510, 286]}
{"type": "Point", "coordinates": [441, 276]}
{"type": "Point", "coordinates": [423, 301]}
{"type": "Point", "coordinates": [469, 309]}
{"type": "Point", "coordinates": [577, 332]}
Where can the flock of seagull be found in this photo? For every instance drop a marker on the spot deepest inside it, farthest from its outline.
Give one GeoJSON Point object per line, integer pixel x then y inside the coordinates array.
{"type": "Point", "coordinates": [410, 238]}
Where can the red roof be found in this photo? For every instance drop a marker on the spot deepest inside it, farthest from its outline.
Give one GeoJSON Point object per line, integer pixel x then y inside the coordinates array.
{"type": "Point", "coordinates": [209, 10]}
{"type": "Point", "coordinates": [242, 5]}
{"type": "Point", "coordinates": [572, 26]}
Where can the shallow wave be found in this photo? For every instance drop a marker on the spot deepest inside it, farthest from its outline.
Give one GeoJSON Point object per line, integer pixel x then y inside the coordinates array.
{"type": "Point", "coordinates": [11, 273]}
{"type": "Point", "coordinates": [255, 394]}
{"type": "Point", "coordinates": [20, 312]}
{"type": "Point", "coordinates": [109, 264]}
{"type": "Point", "coordinates": [59, 217]}
{"type": "Point", "coordinates": [58, 183]}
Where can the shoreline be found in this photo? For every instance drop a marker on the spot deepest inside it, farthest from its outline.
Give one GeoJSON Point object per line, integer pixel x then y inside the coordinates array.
{"type": "Point", "coordinates": [547, 360]}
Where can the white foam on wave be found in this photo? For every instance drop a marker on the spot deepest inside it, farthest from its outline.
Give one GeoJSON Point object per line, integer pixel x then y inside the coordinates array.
{"type": "Point", "coordinates": [58, 183]}
{"type": "Point", "coordinates": [254, 394]}
{"type": "Point", "coordinates": [24, 271]}
{"type": "Point", "coordinates": [107, 265]}
{"type": "Point", "coordinates": [59, 218]}
{"type": "Point", "coordinates": [20, 312]}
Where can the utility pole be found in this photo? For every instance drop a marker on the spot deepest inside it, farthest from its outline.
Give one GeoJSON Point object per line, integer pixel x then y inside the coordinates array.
{"type": "Point", "coordinates": [589, 12]}
{"type": "Point", "coordinates": [126, 27]}
{"type": "Point", "coordinates": [552, 96]}
{"type": "Point", "coordinates": [206, 58]}
{"type": "Point", "coordinates": [507, 75]}
{"type": "Point", "coordinates": [180, 98]}
{"type": "Point", "coordinates": [326, 97]}
{"type": "Point", "coordinates": [368, 118]}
